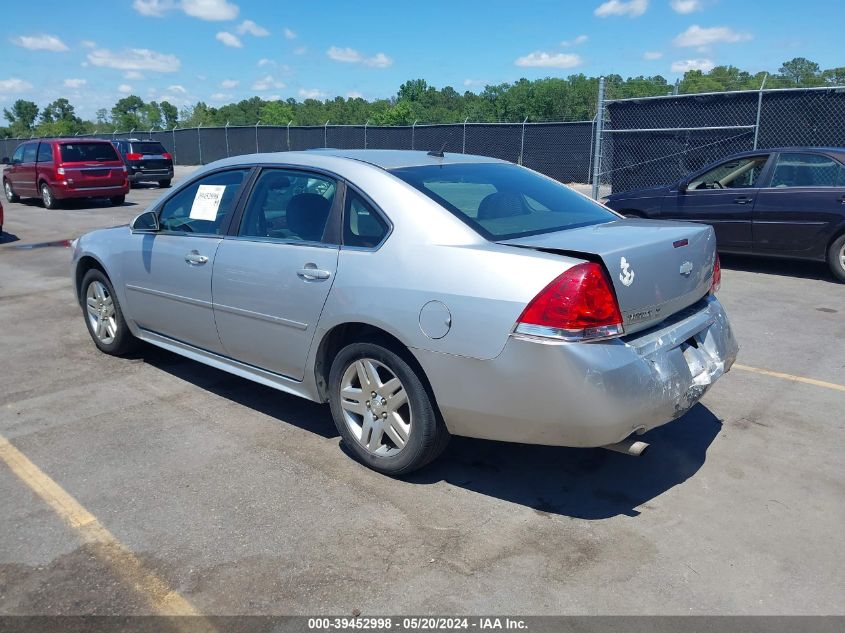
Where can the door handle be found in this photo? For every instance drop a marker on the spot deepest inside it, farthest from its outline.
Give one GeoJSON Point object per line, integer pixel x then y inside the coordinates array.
{"type": "Point", "coordinates": [310, 272]}
{"type": "Point", "coordinates": [195, 259]}
{"type": "Point", "coordinates": [742, 200]}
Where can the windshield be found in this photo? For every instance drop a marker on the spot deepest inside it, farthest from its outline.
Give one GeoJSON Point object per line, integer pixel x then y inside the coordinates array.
{"type": "Point", "coordinates": [502, 201]}
{"type": "Point", "coordinates": [80, 152]}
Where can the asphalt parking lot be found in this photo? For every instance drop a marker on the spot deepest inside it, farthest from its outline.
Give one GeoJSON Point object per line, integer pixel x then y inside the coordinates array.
{"type": "Point", "coordinates": [188, 488]}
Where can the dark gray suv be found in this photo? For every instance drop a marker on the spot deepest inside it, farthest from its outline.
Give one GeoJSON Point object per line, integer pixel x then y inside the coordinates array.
{"type": "Point", "coordinates": [146, 161]}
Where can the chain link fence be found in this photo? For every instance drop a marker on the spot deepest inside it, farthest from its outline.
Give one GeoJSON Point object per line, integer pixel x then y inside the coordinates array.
{"type": "Point", "coordinates": [634, 143]}
{"type": "Point", "coordinates": [648, 142]}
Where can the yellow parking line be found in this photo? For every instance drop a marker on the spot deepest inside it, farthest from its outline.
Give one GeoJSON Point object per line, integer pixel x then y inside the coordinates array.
{"type": "Point", "coordinates": [777, 374]}
{"type": "Point", "coordinates": [111, 551]}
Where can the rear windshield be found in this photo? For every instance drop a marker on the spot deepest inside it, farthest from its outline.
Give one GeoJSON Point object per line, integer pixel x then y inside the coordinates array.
{"type": "Point", "coordinates": [503, 201]}
{"type": "Point", "coordinates": [82, 152]}
{"type": "Point", "coordinates": [152, 147]}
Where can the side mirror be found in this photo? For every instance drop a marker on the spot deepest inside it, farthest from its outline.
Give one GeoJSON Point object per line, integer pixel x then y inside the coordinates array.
{"type": "Point", "coordinates": [5, 160]}
{"type": "Point", "coordinates": [147, 222]}
{"type": "Point", "coordinates": [683, 186]}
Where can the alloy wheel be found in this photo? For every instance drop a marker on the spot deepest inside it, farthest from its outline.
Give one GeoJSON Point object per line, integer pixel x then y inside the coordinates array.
{"type": "Point", "coordinates": [375, 407]}
{"type": "Point", "coordinates": [100, 307]}
{"type": "Point", "coordinates": [46, 196]}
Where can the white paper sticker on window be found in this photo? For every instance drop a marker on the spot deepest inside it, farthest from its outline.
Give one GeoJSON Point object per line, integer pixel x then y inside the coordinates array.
{"type": "Point", "coordinates": [206, 202]}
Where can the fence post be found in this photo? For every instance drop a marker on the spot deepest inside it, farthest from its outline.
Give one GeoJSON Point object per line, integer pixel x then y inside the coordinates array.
{"type": "Point", "coordinates": [592, 140]}
{"type": "Point", "coordinates": [326, 134]}
{"type": "Point", "coordinates": [366, 123]}
{"type": "Point", "coordinates": [413, 132]}
{"type": "Point", "coordinates": [226, 132]}
{"type": "Point", "coordinates": [289, 122]}
{"type": "Point", "coordinates": [597, 144]}
{"type": "Point", "coordinates": [464, 144]}
{"type": "Point", "coordinates": [199, 142]}
{"type": "Point", "coordinates": [131, 132]}
{"type": "Point", "coordinates": [256, 135]}
{"type": "Point", "coordinates": [522, 142]}
{"type": "Point", "coordinates": [759, 110]}
{"type": "Point", "coordinates": [173, 131]}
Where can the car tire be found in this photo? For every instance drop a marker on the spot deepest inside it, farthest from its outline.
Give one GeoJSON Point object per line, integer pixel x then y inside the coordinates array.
{"type": "Point", "coordinates": [11, 196]}
{"type": "Point", "coordinates": [116, 201]}
{"type": "Point", "coordinates": [47, 197]}
{"type": "Point", "coordinates": [360, 418]}
{"type": "Point", "coordinates": [836, 258]}
{"type": "Point", "coordinates": [104, 316]}
{"type": "Point", "coordinates": [164, 184]}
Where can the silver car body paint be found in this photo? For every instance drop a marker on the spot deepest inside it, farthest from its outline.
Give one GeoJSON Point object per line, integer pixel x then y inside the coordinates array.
{"type": "Point", "coordinates": [247, 311]}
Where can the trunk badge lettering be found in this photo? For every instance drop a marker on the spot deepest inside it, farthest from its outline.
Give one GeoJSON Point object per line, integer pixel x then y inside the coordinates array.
{"type": "Point", "coordinates": [686, 268]}
{"type": "Point", "coordinates": [627, 274]}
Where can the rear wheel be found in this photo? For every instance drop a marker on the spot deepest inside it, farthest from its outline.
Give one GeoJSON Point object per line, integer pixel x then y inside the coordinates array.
{"type": "Point", "coordinates": [104, 316]}
{"type": "Point", "coordinates": [164, 184]}
{"type": "Point", "coordinates": [118, 200]}
{"type": "Point", "coordinates": [382, 410]}
{"type": "Point", "coordinates": [47, 197]}
{"type": "Point", "coordinates": [11, 196]}
{"type": "Point", "coordinates": [836, 258]}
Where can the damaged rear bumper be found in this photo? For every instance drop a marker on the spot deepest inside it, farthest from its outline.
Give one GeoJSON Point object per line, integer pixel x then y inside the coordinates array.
{"type": "Point", "coordinates": [585, 394]}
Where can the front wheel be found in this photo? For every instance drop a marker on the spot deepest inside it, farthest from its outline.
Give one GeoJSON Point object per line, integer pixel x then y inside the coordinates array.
{"type": "Point", "coordinates": [104, 316]}
{"type": "Point", "coordinates": [382, 410]}
{"type": "Point", "coordinates": [836, 258]}
{"type": "Point", "coordinates": [48, 198]}
{"type": "Point", "coordinates": [11, 196]}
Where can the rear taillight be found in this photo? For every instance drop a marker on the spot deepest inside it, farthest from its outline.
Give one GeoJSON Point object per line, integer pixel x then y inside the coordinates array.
{"type": "Point", "coordinates": [716, 282]}
{"type": "Point", "coordinates": [578, 305]}
{"type": "Point", "coordinates": [168, 155]}
{"type": "Point", "coordinates": [133, 156]}
{"type": "Point", "coordinates": [60, 171]}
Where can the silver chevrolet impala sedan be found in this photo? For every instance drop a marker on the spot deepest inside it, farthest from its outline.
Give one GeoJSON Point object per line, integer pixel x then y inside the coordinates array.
{"type": "Point", "coordinates": [421, 295]}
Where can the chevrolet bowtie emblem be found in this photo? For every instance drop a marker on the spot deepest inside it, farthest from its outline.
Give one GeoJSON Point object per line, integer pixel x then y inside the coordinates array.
{"type": "Point", "coordinates": [686, 268]}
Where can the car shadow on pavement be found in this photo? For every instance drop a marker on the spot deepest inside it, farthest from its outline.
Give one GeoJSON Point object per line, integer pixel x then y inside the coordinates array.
{"type": "Point", "coordinates": [578, 482]}
{"type": "Point", "coordinates": [7, 238]}
{"type": "Point", "coordinates": [783, 267]}
{"type": "Point", "coordinates": [77, 204]}
{"type": "Point", "coordinates": [575, 482]}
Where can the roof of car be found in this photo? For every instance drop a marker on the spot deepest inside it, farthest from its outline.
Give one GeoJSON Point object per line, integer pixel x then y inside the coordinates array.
{"type": "Point", "coordinates": [824, 150]}
{"type": "Point", "coordinates": [396, 158]}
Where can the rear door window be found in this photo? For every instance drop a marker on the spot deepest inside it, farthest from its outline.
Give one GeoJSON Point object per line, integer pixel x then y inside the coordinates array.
{"type": "Point", "coordinates": [45, 153]}
{"type": "Point", "coordinates": [362, 225]}
{"type": "Point", "coordinates": [807, 170]}
{"type": "Point", "coordinates": [87, 152]}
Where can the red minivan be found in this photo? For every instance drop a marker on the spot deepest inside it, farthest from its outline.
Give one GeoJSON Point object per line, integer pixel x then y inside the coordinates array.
{"type": "Point", "coordinates": [57, 169]}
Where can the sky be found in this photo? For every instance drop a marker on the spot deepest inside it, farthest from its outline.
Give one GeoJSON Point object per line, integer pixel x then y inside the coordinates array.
{"type": "Point", "coordinates": [94, 52]}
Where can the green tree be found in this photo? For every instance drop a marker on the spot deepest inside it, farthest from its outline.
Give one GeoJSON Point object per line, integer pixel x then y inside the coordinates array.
{"type": "Point", "coordinates": [801, 72]}
{"type": "Point", "coordinates": [170, 114]}
{"type": "Point", "coordinates": [21, 117]}
{"type": "Point", "coordinates": [126, 113]}
{"type": "Point", "coordinates": [275, 113]}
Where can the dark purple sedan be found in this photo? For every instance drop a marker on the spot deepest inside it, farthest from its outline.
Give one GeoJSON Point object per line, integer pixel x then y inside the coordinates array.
{"type": "Point", "coordinates": [786, 202]}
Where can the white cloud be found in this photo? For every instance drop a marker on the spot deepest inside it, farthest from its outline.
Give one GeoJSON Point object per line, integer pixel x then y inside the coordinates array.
{"type": "Point", "coordinates": [177, 89]}
{"type": "Point", "coordinates": [14, 86]}
{"type": "Point", "coordinates": [274, 97]}
{"type": "Point", "coordinates": [124, 89]}
{"type": "Point", "coordinates": [229, 83]}
{"type": "Point", "coordinates": [135, 59]}
{"type": "Point", "coordinates": [575, 41]}
{"type": "Point", "coordinates": [354, 94]}
{"type": "Point", "coordinates": [652, 55]}
{"type": "Point", "coordinates": [74, 83]}
{"type": "Point", "coordinates": [697, 36]}
{"type": "Point", "coordinates": [268, 82]}
{"type": "Point", "coordinates": [229, 40]}
{"type": "Point", "coordinates": [265, 62]}
{"type": "Point", "coordinates": [41, 42]}
{"type": "Point", "coordinates": [289, 34]}
{"type": "Point", "coordinates": [212, 10]}
{"type": "Point", "coordinates": [683, 65]}
{"type": "Point", "coordinates": [346, 55]}
{"type": "Point", "coordinates": [540, 59]}
{"type": "Point", "coordinates": [88, 44]}
{"type": "Point", "coordinates": [631, 8]}
{"type": "Point", "coordinates": [475, 83]}
{"type": "Point", "coordinates": [248, 26]}
{"type": "Point", "coordinates": [133, 74]}
{"type": "Point", "coordinates": [685, 6]}
{"type": "Point", "coordinates": [379, 60]}
{"type": "Point", "coordinates": [300, 51]}
{"type": "Point", "coordinates": [312, 93]}
{"type": "Point", "coordinates": [153, 8]}
{"type": "Point", "coordinates": [222, 96]}
{"type": "Point", "coordinates": [352, 56]}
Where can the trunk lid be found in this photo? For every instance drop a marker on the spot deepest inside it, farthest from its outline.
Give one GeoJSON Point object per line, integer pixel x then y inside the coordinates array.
{"type": "Point", "coordinates": [657, 267]}
{"type": "Point", "coordinates": [91, 165]}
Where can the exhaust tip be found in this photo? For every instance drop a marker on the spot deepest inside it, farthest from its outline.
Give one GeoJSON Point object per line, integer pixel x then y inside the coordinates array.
{"type": "Point", "coordinates": [634, 448]}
